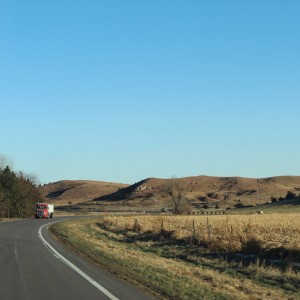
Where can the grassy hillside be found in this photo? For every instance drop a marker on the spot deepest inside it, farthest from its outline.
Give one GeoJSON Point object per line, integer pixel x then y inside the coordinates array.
{"type": "Point", "coordinates": [207, 190]}
{"type": "Point", "coordinates": [75, 191]}
{"type": "Point", "coordinates": [201, 192]}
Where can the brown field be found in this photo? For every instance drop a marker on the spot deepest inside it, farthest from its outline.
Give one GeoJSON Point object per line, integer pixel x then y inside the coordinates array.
{"type": "Point", "coordinates": [218, 232]}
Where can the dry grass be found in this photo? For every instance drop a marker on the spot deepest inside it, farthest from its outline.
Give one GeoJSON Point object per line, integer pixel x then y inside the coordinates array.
{"type": "Point", "coordinates": [199, 189]}
{"type": "Point", "coordinates": [218, 233]}
{"type": "Point", "coordinates": [180, 270]}
{"type": "Point", "coordinates": [75, 191]}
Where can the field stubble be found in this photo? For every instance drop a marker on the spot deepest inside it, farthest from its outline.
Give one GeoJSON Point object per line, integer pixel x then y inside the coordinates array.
{"type": "Point", "coordinates": [222, 234]}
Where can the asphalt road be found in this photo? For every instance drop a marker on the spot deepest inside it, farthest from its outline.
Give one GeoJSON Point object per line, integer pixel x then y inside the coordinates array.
{"type": "Point", "coordinates": [33, 266]}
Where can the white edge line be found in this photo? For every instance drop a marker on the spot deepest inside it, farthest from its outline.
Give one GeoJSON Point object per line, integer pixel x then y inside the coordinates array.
{"type": "Point", "coordinates": [73, 267]}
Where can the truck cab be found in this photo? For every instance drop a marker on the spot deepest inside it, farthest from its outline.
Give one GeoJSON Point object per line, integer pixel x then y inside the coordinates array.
{"type": "Point", "coordinates": [44, 210]}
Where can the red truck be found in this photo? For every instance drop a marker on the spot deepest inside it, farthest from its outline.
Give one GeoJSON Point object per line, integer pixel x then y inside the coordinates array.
{"type": "Point", "coordinates": [44, 210]}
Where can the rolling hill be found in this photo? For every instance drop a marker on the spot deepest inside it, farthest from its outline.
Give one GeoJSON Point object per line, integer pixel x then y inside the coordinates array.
{"type": "Point", "coordinates": [199, 190]}
{"type": "Point", "coordinates": [76, 191]}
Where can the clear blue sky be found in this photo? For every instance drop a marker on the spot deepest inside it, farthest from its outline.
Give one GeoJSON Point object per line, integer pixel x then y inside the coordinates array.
{"type": "Point", "coordinates": [124, 90]}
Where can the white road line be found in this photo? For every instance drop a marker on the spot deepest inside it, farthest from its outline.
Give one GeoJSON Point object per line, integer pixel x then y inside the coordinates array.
{"type": "Point", "coordinates": [73, 267]}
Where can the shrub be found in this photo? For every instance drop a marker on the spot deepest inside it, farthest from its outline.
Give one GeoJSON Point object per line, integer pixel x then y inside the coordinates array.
{"type": "Point", "coordinates": [273, 199]}
{"type": "Point", "coordinates": [290, 195]}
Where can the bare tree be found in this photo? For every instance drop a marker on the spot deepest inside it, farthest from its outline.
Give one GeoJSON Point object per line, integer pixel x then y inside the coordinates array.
{"type": "Point", "coordinates": [175, 192]}
{"type": "Point", "coordinates": [5, 161]}
{"type": "Point", "coordinates": [33, 178]}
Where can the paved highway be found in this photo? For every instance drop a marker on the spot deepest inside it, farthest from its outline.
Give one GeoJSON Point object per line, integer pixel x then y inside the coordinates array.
{"type": "Point", "coordinates": [33, 266]}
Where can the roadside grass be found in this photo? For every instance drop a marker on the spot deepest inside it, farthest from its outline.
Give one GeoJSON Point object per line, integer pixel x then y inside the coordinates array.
{"type": "Point", "coordinates": [289, 206]}
{"type": "Point", "coordinates": [128, 262]}
{"type": "Point", "coordinates": [174, 270]}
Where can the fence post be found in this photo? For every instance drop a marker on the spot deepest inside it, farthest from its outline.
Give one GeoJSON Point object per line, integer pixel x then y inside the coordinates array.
{"type": "Point", "coordinates": [208, 228]}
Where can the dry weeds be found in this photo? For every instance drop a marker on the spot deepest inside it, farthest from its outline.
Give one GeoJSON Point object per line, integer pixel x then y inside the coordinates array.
{"type": "Point", "coordinates": [218, 233]}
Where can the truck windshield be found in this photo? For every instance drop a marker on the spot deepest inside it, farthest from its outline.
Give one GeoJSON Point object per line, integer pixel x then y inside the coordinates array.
{"type": "Point", "coordinates": [41, 206]}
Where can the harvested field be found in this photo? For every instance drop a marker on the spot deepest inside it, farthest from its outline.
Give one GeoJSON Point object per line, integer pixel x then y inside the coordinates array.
{"type": "Point", "coordinates": [217, 232]}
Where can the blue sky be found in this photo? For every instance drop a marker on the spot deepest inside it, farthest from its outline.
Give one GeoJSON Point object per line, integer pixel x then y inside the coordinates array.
{"type": "Point", "coordinates": [124, 90]}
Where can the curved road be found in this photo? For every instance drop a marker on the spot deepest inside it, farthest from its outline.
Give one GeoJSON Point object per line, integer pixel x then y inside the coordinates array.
{"type": "Point", "coordinates": [33, 266]}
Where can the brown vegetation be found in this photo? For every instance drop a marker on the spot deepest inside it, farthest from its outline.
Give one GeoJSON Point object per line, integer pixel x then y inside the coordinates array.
{"type": "Point", "coordinates": [75, 191]}
{"type": "Point", "coordinates": [208, 189]}
{"type": "Point", "coordinates": [160, 254]}
{"type": "Point", "coordinates": [196, 193]}
{"type": "Point", "coordinates": [247, 234]}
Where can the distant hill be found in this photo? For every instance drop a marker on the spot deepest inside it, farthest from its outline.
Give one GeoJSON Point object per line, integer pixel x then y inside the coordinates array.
{"type": "Point", "coordinates": [207, 189]}
{"type": "Point", "coordinates": [200, 190]}
{"type": "Point", "coordinates": [75, 191]}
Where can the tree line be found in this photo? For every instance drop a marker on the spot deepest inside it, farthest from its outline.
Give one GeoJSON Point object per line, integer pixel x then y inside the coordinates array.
{"type": "Point", "coordinates": [18, 193]}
